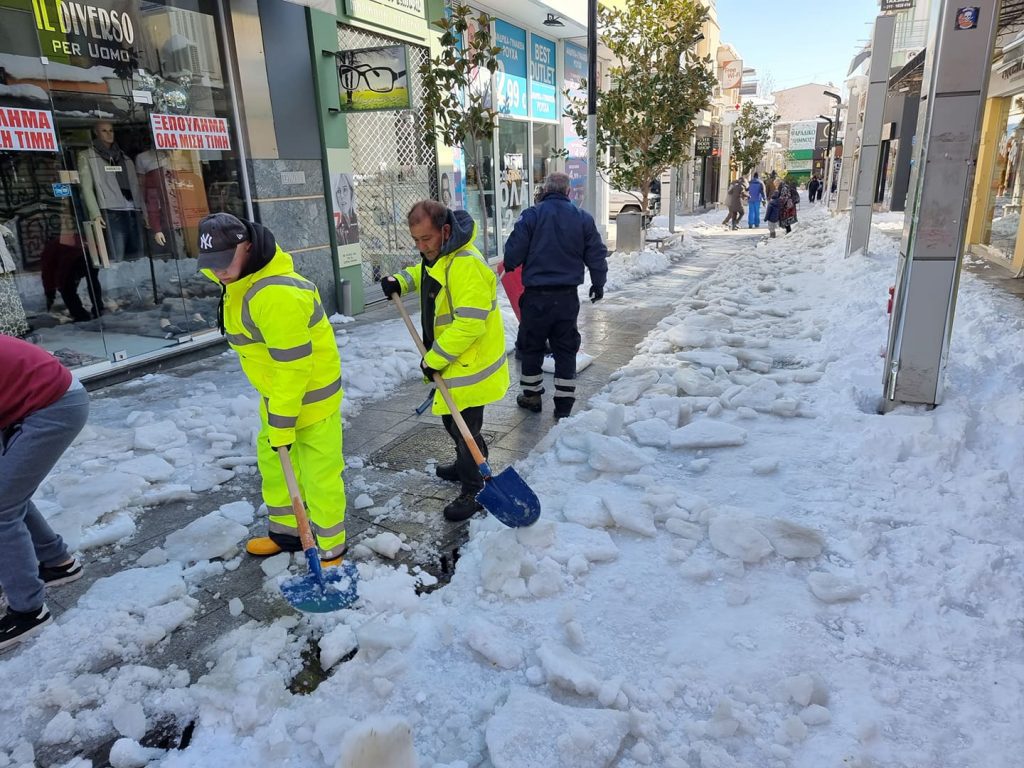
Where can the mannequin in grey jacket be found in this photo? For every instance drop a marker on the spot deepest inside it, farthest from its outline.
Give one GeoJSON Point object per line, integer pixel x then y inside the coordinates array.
{"type": "Point", "coordinates": [111, 194]}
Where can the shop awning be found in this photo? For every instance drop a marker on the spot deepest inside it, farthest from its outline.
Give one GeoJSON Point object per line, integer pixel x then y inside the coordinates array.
{"type": "Point", "coordinates": [910, 70]}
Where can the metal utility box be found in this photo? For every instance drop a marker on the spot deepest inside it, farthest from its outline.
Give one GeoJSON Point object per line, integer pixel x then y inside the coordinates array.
{"type": "Point", "coordinates": [629, 232]}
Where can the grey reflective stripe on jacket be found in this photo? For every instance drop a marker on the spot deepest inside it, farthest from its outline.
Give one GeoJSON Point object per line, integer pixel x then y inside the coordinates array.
{"type": "Point", "coordinates": [475, 378]}
{"type": "Point", "coordinates": [255, 334]}
{"type": "Point", "coordinates": [323, 393]}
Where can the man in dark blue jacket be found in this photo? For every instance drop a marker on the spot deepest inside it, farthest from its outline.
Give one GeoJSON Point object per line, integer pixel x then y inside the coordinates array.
{"type": "Point", "coordinates": [553, 241]}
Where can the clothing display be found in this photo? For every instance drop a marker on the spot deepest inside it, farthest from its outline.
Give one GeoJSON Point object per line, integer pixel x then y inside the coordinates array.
{"type": "Point", "coordinates": [13, 321]}
{"type": "Point", "coordinates": [64, 264]}
{"type": "Point", "coordinates": [174, 196]}
{"type": "Point", "coordinates": [110, 191]}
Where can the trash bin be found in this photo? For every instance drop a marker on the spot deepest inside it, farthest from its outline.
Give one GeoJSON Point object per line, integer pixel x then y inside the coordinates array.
{"type": "Point", "coordinates": [629, 232]}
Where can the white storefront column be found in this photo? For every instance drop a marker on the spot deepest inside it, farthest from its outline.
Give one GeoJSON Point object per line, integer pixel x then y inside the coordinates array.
{"type": "Point", "coordinates": [871, 135]}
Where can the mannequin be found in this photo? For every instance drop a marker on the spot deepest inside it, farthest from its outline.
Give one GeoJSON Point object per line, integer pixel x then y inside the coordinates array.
{"type": "Point", "coordinates": [111, 194]}
{"type": "Point", "coordinates": [174, 196]}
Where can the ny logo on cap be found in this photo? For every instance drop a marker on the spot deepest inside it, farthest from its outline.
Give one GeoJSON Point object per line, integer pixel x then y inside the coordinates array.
{"type": "Point", "coordinates": [206, 242]}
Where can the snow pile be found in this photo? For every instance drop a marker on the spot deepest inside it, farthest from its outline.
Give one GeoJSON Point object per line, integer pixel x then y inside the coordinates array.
{"type": "Point", "coordinates": [740, 563]}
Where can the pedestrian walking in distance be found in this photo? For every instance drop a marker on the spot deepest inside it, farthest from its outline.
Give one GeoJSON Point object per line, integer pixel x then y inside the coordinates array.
{"type": "Point", "coordinates": [734, 202]}
{"type": "Point", "coordinates": [553, 242]}
{"type": "Point", "coordinates": [771, 214]}
{"type": "Point", "coordinates": [274, 319]}
{"type": "Point", "coordinates": [755, 193]}
{"type": "Point", "coordinates": [42, 409]}
{"type": "Point", "coordinates": [812, 188]}
{"type": "Point", "coordinates": [463, 333]}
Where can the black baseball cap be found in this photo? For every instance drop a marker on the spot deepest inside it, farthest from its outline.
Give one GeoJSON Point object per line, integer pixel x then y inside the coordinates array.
{"type": "Point", "coordinates": [219, 235]}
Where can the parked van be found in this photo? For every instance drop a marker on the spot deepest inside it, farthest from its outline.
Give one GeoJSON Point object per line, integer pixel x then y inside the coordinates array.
{"type": "Point", "coordinates": [621, 201]}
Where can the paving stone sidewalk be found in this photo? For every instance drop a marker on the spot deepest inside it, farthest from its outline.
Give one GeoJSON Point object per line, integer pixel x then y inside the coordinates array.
{"type": "Point", "coordinates": [390, 451]}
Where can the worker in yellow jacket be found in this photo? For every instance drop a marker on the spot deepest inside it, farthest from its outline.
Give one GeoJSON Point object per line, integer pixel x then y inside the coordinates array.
{"type": "Point", "coordinates": [463, 333]}
{"type": "Point", "coordinates": [274, 319]}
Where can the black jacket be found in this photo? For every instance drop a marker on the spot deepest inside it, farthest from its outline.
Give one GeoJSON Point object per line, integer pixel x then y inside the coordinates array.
{"type": "Point", "coordinates": [553, 241]}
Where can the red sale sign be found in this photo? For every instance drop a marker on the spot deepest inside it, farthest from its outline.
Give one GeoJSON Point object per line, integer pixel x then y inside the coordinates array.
{"type": "Point", "coordinates": [189, 132]}
{"type": "Point", "coordinates": [27, 130]}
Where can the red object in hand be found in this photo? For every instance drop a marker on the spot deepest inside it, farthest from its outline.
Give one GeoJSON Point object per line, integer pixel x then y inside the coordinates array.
{"type": "Point", "coordinates": [892, 296]}
{"type": "Point", "coordinates": [512, 282]}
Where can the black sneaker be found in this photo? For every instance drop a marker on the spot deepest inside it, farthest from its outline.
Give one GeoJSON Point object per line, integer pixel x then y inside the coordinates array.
{"type": "Point", "coordinates": [530, 402]}
{"type": "Point", "coordinates": [54, 575]}
{"type": "Point", "coordinates": [447, 472]}
{"type": "Point", "coordinates": [16, 626]}
{"type": "Point", "coordinates": [463, 508]}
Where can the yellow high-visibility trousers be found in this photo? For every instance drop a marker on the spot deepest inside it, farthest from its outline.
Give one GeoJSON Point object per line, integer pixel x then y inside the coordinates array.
{"type": "Point", "coordinates": [318, 461]}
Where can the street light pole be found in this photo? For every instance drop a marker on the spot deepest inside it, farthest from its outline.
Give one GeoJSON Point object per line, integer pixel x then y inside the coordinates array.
{"type": "Point", "coordinates": [828, 150]}
{"type": "Point", "coordinates": [590, 199]}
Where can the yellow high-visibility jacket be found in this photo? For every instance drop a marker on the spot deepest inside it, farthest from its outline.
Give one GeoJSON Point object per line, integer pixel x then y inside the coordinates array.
{"type": "Point", "coordinates": [275, 321]}
{"type": "Point", "coordinates": [469, 334]}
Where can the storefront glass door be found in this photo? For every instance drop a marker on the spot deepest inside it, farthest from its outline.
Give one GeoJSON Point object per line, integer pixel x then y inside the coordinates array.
{"type": "Point", "coordinates": [1003, 217]}
{"type": "Point", "coordinates": [513, 149]}
{"type": "Point", "coordinates": [144, 147]}
{"type": "Point", "coordinates": [543, 164]}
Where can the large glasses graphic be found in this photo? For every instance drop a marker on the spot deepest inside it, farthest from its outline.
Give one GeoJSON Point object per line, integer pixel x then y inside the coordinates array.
{"type": "Point", "coordinates": [377, 79]}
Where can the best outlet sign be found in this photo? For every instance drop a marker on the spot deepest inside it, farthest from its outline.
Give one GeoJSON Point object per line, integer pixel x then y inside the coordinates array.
{"type": "Point", "coordinates": [189, 132]}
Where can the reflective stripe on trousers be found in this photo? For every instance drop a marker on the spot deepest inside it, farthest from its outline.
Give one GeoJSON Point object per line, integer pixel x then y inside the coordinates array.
{"type": "Point", "coordinates": [318, 461]}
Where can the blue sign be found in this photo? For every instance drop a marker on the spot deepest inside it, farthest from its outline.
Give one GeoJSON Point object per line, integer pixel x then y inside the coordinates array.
{"type": "Point", "coordinates": [543, 93]}
{"type": "Point", "coordinates": [511, 75]}
{"type": "Point", "coordinates": [61, 190]}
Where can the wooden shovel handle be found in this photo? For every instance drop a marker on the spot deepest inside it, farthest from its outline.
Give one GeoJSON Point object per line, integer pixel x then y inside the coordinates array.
{"type": "Point", "coordinates": [467, 436]}
{"type": "Point", "coordinates": [305, 534]}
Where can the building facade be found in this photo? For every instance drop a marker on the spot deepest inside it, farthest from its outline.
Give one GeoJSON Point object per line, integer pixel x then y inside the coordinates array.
{"type": "Point", "coordinates": [121, 125]}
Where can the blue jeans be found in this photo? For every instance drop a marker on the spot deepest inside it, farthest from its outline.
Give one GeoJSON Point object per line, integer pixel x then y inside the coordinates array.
{"type": "Point", "coordinates": [754, 214]}
{"type": "Point", "coordinates": [28, 451]}
{"type": "Point", "coordinates": [123, 235]}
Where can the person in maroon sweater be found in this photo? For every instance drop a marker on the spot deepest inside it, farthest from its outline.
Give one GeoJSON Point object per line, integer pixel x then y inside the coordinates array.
{"type": "Point", "coordinates": [42, 409]}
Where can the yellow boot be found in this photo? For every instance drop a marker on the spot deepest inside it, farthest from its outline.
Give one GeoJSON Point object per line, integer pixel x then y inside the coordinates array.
{"type": "Point", "coordinates": [262, 546]}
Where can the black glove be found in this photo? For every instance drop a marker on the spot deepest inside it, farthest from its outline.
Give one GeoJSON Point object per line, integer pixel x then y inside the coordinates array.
{"type": "Point", "coordinates": [390, 286]}
{"type": "Point", "coordinates": [427, 370]}
{"type": "Point", "coordinates": [596, 293]}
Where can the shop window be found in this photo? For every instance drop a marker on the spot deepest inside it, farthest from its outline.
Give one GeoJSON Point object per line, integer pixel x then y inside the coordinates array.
{"type": "Point", "coordinates": [545, 138]}
{"type": "Point", "coordinates": [103, 229]}
{"type": "Point", "coordinates": [513, 138]}
{"type": "Point", "coordinates": [1007, 186]}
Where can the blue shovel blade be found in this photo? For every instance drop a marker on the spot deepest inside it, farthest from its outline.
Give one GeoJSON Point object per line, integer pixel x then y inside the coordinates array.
{"type": "Point", "coordinates": [510, 499]}
{"type": "Point", "coordinates": [330, 590]}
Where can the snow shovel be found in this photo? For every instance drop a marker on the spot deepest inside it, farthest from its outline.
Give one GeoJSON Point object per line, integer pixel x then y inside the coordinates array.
{"type": "Point", "coordinates": [506, 496]}
{"type": "Point", "coordinates": [320, 590]}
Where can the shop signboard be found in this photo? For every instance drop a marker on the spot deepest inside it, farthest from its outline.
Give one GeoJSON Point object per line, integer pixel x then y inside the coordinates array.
{"type": "Point", "coordinates": [702, 146]}
{"type": "Point", "coordinates": [574, 67]}
{"type": "Point", "coordinates": [189, 132]}
{"type": "Point", "coordinates": [406, 15]}
{"type": "Point", "coordinates": [344, 206]}
{"type": "Point", "coordinates": [510, 79]}
{"type": "Point", "coordinates": [731, 75]}
{"type": "Point", "coordinates": [897, 5]}
{"type": "Point", "coordinates": [543, 92]}
{"type": "Point", "coordinates": [97, 33]}
{"type": "Point", "coordinates": [803, 135]}
{"type": "Point", "coordinates": [374, 79]}
{"type": "Point", "coordinates": [27, 130]}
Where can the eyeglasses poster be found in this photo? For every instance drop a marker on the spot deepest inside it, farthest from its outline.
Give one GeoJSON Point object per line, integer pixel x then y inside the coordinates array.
{"type": "Point", "coordinates": [371, 79]}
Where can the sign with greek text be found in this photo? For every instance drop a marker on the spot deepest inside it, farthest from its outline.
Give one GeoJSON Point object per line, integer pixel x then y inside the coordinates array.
{"type": "Point", "coordinates": [189, 132]}
{"type": "Point", "coordinates": [803, 135]}
{"type": "Point", "coordinates": [510, 78]}
{"type": "Point", "coordinates": [27, 130]}
{"type": "Point", "coordinates": [543, 92]}
{"type": "Point", "coordinates": [897, 5]}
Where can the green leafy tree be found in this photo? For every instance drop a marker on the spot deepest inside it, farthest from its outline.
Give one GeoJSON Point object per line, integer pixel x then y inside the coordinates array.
{"type": "Point", "coordinates": [752, 130]}
{"type": "Point", "coordinates": [658, 86]}
{"type": "Point", "coordinates": [457, 90]}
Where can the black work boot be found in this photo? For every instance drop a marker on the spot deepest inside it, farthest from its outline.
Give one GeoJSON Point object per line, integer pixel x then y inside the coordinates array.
{"type": "Point", "coordinates": [464, 506]}
{"type": "Point", "coordinates": [447, 472]}
{"type": "Point", "coordinates": [530, 401]}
